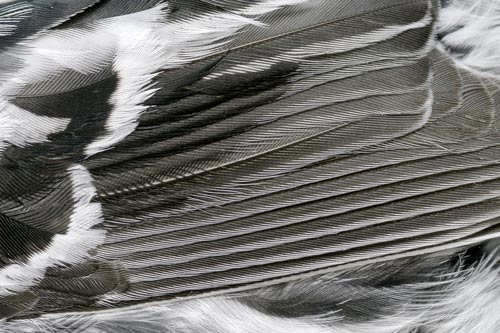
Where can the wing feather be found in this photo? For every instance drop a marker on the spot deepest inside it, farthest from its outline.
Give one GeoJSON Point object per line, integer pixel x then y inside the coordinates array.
{"type": "Point", "coordinates": [277, 139]}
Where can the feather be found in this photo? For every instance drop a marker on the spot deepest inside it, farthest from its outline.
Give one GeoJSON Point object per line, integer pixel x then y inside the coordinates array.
{"type": "Point", "coordinates": [468, 31]}
{"type": "Point", "coordinates": [433, 296]}
{"type": "Point", "coordinates": [234, 165]}
{"type": "Point", "coordinates": [79, 237]}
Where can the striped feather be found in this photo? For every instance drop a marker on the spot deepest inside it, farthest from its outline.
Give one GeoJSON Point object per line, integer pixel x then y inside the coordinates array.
{"type": "Point", "coordinates": [152, 151]}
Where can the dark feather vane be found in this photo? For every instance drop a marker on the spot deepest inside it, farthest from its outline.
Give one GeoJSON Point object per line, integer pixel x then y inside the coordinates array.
{"type": "Point", "coordinates": [314, 165]}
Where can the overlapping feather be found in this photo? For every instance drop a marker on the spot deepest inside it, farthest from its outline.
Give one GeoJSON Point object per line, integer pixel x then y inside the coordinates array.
{"type": "Point", "coordinates": [164, 149]}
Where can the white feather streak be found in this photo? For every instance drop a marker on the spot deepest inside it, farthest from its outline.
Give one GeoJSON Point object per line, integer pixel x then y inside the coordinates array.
{"type": "Point", "coordinates": [19, 127]}
{"type": "Point", "coordinates": [69, 248]}
{"type": "Point", "coordinates": [471, 29]}
{"type": "Point", "coordinates": [139, 57]}
{"type": "Point", "coordinates": [138, 46]}
{"type": "Point", "coordinates": [146, 45]}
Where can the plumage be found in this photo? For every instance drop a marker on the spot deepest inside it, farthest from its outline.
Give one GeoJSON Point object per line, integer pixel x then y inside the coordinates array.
{"type": "Point", "coordinates": [235, 166]}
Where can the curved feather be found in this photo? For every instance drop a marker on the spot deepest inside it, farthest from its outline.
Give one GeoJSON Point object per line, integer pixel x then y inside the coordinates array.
{"type": "Point", "coordinates": [155, 150]}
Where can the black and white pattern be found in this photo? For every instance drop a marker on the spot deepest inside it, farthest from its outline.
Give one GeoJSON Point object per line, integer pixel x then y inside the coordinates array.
{"type": "Point", "coordinates": [243, 166]}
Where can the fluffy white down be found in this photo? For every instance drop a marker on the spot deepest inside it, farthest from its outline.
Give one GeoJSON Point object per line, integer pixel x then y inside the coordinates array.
{"type": "Point", "coordinates": [470, 30]}
{"type": "Point", "coordinates": [463, 302]}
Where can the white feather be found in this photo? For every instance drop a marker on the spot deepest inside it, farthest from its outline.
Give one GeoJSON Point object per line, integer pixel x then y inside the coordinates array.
{"type": "Point", "coordinates": [137, 45]}
{"type": "Point", "coordinates": [139, 57]}
{"type": "Point", "coordinates": [69, 248]}
{"type": "Point", "coordinates": [147, 45]}
{"type": "Point", "coordinates": [20, 128]}
{"type": "Point", "coordinates": [473, 26]}
{"type": "Point", "coordinates": [47, 56]}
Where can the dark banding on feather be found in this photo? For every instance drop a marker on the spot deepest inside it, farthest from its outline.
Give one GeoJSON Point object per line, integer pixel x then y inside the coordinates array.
{"type": "Point", "coordinates": [184, 109]}
{"type": "Point", "coordinates": [19, 241]}
{"type": "Point", "coordinates": [39, 16]}
{"type": "Point", "coordinates": [88, 116]}
{"type": "Point", "coordinates": [42, 188]}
